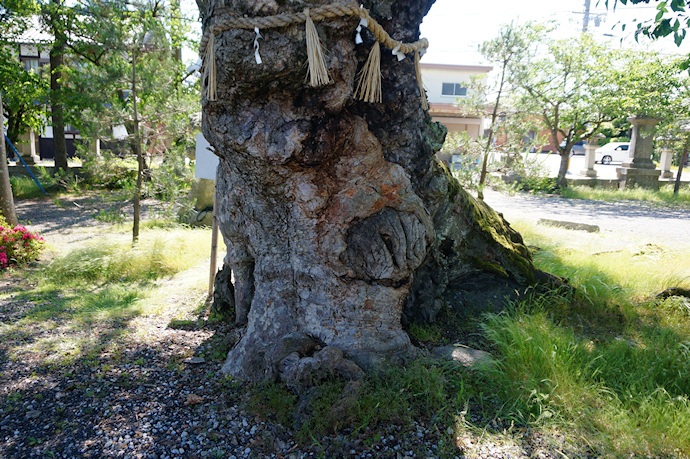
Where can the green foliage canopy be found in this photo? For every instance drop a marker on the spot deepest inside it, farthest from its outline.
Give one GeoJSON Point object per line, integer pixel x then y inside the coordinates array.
{"type": "Point", "coordinates": [24, 93]}
{"type": "Point", "coordinates": [671, 18]}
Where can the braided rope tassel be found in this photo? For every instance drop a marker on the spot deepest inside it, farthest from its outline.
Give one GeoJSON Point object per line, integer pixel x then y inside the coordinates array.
{"type": "Point", "coordinates": [211, 70]}
{"type": "Point", "coordinates": [318, 73]}
{"type": "Point", "coordinates": [369, 86]}
{"type": "Point", "coordinates": [418, 74]}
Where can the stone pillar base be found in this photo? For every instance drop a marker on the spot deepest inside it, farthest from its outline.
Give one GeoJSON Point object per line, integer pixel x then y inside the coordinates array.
{"type": "Point", "coordinates": [667, 174]}
{"type": "Point", "coordinates": [639, 163]}
{"type": "Point", "coordinates": [30, 159]}
{"type": "Point", "coordinates": [644, 178]}
{"type": "Point", "coordinates": [589, 173]}
{"type": "Point", "coordinates": [201, 194]}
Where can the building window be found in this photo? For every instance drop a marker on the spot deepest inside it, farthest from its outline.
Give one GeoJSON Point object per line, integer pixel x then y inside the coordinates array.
{"type": "Point", "coordinates": [31, 65]}
{"type": "Point", "coordinates": [453, 89]}
{"type": "Point", "coordinates": [38, 66]}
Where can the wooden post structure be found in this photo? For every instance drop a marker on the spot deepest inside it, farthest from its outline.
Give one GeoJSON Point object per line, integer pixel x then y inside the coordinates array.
{"type": "Point", "coordinates": [683, 159]}
{"type": "Point", "coordinates": [214, 248]}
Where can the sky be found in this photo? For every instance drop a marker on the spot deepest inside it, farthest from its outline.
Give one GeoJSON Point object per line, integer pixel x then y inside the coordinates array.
{"type": "Point", "coordinates": [455, 28]}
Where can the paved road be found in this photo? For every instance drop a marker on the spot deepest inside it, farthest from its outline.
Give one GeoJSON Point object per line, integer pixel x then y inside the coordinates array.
{"type": "Point", "coordinates": [630, 221]}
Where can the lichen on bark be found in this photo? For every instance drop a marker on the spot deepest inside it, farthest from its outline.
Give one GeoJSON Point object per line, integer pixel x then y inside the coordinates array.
{"type": "Point", "coordinates": [338, 220]}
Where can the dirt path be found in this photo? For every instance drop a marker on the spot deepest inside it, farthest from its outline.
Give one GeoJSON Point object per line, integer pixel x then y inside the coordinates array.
{"type": "Point", "coordinates": [67, 221]}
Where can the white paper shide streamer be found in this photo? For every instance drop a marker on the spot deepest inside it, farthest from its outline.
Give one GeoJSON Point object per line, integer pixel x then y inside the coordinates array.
{"type": "Point", "coordinates": [397, 53]}
{"type": "Point", "coordinates": [358, 37]}
{"type": "Point", "coordinates": [257, 56]}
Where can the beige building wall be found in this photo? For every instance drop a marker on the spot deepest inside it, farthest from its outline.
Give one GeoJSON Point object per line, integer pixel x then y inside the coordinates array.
{"type": "Point", "coordinates": [443, 105]}
{"type": "Point", "coordinates": [434, 75]}
{"type": "Point", "coordinates": [473, 126]}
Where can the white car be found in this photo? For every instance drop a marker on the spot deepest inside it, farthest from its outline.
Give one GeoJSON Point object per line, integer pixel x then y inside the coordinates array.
{"type": "Point", "coordinates": [612, 152]}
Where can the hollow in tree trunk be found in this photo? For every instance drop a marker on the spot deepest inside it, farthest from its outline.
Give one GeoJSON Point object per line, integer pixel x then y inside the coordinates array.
{"type": "Point", "coordinates": [339, 221]}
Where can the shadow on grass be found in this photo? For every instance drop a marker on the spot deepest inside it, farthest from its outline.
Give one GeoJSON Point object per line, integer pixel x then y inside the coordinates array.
{"type": "Point", "coordinates": [71, 379]}
{"type": "Point", "coordinates": [608, 370]}
{"type": "Point", "coordinates": [582, 364]}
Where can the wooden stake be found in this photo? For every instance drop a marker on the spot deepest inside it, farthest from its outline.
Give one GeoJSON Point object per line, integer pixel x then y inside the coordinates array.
{"type": "Point", "coordinates": [214, 247]}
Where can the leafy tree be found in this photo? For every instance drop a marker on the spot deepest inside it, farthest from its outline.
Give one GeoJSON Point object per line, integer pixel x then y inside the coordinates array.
{"type": "Point", "coordinates": [672, 18]}
{"type": "Point", "coordinates": [651, 85]}
{"type": "Point", "coordinates": [676, 134]}
{"type": "Point", "coordinates": [674, 129]}
{"type": "Point", "coordinates": [6, 199]}
{"type": "Point", "coordinates": [505, 50]}
{"type": "Point", "coordinates": [15, 16]}
{"type": "Point", "coordinates": [135, 79]}
{"type": "Point", "coordinates": [509, 130]}
{"type": "Point", "coordinates": [500, 149]}
{"type": "Point", "coordinates": [580, 87]}
{"type": "Point", "coordinates": [58, 18]}
{"type": "Point", "coordinates": [24, 93]}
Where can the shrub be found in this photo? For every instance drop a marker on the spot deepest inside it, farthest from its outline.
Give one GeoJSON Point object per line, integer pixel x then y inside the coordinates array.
{"type": "Point", "coordinates": [18, 245]}
{"type": "Point", "coordinates": [108, 169]}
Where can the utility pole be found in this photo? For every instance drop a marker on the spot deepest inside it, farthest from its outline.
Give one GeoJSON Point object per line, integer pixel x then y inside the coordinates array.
{"type": "Point", "coordinates": [585, 18]}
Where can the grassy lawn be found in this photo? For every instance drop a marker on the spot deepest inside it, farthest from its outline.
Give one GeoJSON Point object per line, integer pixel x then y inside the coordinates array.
{"type": "Point", "coordinates": [603, 370]}
{"type": "Point", "coordinates": [79, 301]}
{"type": "Point", "coordinates": [609, 364]}
{"type": "Point", "coordinates": [663, 196]}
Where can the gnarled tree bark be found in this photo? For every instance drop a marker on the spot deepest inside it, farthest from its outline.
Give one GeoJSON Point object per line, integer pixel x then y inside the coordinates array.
{"type": "Point", "coordinates": [339, 222]}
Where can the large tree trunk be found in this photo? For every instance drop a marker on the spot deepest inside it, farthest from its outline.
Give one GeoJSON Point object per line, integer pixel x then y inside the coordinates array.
{"type": "Point", "coordinates": [6, 198]}
{"type": "Point", "coordinates": [339, 222]}
{"type": "Point", "coordinates": [57, 53]}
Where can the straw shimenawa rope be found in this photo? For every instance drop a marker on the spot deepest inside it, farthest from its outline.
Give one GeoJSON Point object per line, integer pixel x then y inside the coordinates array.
{"type": "Point", "coordinates": [226, 22]}
{"type": "Point", "coordinates": [210, 71]}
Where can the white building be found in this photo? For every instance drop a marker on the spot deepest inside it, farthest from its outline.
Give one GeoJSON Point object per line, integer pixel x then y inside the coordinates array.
{"type": "Point", "coordinates": [32, 49]}
{"type": "Point", "coordinates": [444, 84]}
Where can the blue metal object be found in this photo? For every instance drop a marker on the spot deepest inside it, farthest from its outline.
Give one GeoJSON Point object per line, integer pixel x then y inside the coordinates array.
{"type": "Point", "coordinates": [27, 167]}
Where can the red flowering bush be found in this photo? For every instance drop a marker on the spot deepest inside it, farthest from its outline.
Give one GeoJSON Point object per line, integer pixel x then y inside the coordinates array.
{"type": "Point", "coordinates": [18, 244]}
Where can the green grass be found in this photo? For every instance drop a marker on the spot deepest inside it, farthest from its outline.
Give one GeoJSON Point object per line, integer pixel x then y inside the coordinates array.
{"type": "Point", "coordinates": [159, 253]}
{"type": "Point", "coordinates": [86, 298]}
{"type": "Point", "coordinates": [602, 370]}
{"type": "Point", "coordinates": [26, 188]}
{"type": "Point", "coordinates": [395, 395]}
{"type": "Point", "coordinates": [611, 364]}
{"type": "Point", "coordinates": [664, 195]}
{"type": "Point", "coordinates": [607, 268]}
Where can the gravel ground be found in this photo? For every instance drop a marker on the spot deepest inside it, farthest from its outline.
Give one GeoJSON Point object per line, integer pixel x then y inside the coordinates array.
{"type": "Point", "coordinates": [155, 391]}
{"type": "Point", "coordinates": [151, 387]}
{"type": "Point", "coordinates": [631, 222]}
